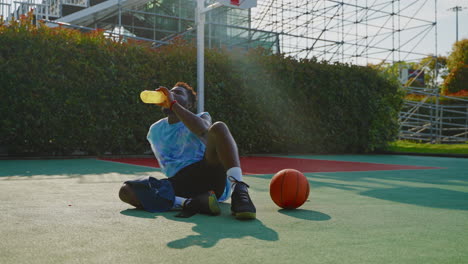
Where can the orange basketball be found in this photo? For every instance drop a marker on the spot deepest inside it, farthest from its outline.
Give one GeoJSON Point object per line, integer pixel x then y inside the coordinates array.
{"type": "Point", "coordinates": [289, 189]}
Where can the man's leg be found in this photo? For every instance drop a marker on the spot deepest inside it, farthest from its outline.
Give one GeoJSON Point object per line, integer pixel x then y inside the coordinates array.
{"type": "Point", "coordinates": [148, 193]}
{"type": "Point", "coordinates": [221, 148]}
{"type": "Point", "coordinates": [203, 203]}
{"type": "Point", "coordinates": [194, 192]}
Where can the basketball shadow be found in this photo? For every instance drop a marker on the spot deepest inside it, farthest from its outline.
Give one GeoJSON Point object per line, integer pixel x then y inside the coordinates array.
{"type": "Point", "coordinates": [305, 214]}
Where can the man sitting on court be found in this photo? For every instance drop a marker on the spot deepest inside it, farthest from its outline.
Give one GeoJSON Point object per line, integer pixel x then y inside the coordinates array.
{"type": "Point", "coordinates": [199, 158]}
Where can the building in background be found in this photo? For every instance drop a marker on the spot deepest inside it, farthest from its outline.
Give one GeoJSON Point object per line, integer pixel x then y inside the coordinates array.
{"type": "Point", "coordinates": [157, 20]}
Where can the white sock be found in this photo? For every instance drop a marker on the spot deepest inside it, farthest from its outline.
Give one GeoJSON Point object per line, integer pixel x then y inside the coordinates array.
{"type": "Point", "coordinates": [178, 203]}
{"type": "Point", "coordinates": [235, 172]}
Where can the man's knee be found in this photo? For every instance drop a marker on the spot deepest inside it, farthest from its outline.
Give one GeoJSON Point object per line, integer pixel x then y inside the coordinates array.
{"type": "Point", "coordinates": [127, 195]}
{"type": "Point", "coordinates": [219, 128]}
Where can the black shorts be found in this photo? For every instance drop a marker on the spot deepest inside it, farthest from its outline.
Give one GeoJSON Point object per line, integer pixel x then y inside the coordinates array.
{"type": "Point", "coordinates": [198, 178]}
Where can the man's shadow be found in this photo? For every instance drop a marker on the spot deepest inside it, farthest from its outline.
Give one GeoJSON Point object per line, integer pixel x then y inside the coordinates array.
{"type": "Point", "coordinates": [212, 229]}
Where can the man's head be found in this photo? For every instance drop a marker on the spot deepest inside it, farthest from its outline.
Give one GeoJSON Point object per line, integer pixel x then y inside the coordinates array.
{"type": "Point", "coordinates": [190, 92]}
{"type": "Point", "coordinates": [184, 95]}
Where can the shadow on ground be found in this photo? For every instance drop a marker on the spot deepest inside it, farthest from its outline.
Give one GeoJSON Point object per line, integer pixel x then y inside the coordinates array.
{"type": "Point", "coordinates": [212, 229]}
{"type": "Point", "coordinates": [70, 168]}
{"type": "Point", "coordinates": [140, 213]}
{"type": "Point", "coordinates": [428, 197]}
{"type": "Point", "coordinates": [305, 214]}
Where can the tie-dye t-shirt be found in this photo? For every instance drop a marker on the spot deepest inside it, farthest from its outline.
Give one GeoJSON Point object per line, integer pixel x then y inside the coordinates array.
{"type": "Point", "coordinates": [174, 145]}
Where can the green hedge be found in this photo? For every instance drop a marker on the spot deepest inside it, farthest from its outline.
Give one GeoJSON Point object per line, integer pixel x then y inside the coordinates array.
{"type": "Point", "coordinates": [63, 91]}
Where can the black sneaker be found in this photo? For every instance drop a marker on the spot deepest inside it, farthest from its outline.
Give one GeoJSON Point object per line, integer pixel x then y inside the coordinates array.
{"type": "Point", "coordinates": [241, 204]}
{"type": "Point", "coordinates": [205, 203]}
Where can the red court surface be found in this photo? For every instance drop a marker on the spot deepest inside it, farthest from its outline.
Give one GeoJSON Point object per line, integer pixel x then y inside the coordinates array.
{"type": "Point", "coordinates": [271, 165]}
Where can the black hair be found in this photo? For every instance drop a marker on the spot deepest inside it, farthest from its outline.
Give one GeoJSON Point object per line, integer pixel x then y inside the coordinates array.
{"type": "Point", "coordinates": [192, 93]}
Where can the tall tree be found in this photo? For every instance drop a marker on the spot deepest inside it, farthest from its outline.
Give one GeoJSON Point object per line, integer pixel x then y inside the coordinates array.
{"type": "Point", "coordinates": [457, 64]}
{"type": "Point", "coordinates": [434, 68]}
{"type": "Point", "coordinates": [394, 71]}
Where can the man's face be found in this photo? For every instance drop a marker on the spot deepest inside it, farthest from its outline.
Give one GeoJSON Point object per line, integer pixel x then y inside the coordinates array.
{"type": "Point", "coordinates": [181, 95]}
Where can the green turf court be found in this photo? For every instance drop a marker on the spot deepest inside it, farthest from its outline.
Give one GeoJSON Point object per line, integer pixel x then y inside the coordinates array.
{"type": "Point", "coordinates": [68, 211]}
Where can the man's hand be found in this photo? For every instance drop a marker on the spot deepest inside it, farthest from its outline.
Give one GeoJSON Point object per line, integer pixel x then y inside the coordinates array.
{"type": "Point", "coordinates": [169, 97]}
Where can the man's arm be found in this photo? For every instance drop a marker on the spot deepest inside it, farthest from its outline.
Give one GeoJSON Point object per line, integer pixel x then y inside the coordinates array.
{"type": "Point", "coordinates": [198, 125]}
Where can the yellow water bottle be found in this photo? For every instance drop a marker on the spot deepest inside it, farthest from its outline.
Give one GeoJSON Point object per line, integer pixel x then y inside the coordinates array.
{"type": "Point", "coordinates": [152, 97]}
